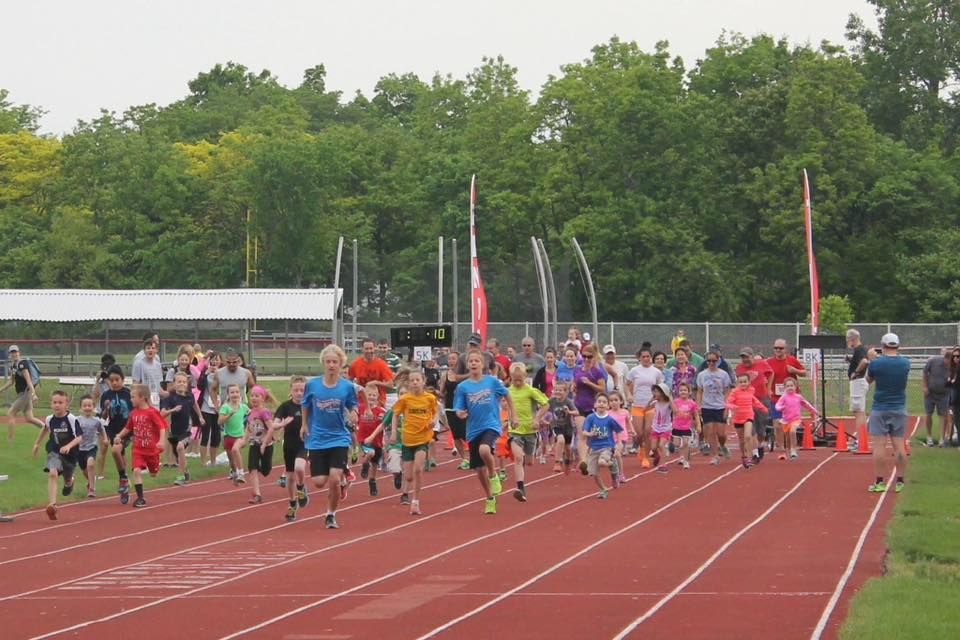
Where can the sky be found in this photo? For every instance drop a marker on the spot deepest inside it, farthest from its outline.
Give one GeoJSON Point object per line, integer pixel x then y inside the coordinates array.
{"type": "Point", "coordinates": [74, 58]}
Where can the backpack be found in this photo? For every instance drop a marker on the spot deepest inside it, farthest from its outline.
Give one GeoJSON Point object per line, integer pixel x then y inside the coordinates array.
{"type": "Point", "coordinates": [34, 371]}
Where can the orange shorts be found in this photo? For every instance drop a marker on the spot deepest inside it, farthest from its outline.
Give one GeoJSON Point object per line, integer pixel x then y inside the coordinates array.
{"type": "Point", "coordinates": [503, 447]}
{"type": "Point", "coordinates": [788, 426]}
{"type": "Point", "coordinates": [639, 412]}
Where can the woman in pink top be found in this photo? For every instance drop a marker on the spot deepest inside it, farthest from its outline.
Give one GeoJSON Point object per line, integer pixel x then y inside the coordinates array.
{"type": "Point", "coordinates": [741, 405]}
{"type": "Point", "coordinates": [790, 405]}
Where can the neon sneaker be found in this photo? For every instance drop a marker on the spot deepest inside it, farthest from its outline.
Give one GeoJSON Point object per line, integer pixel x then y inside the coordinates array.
{"type": "Point", "coordinates": [490, 506]}
{"type": "Point", "coordinates": [877, 487]}
{"type": "Point", "coordinates": [602, 495]}
{"type": "Point", "coordinates": [496, 487]}
{"type": "Point", "coordinates": [291, 514]}
{"type": "Point", "coordinates": [303, 498]}
{"type": "Point", "coordinates": [180, 481]}
{"type": "Point", "coordinates": [465, 465]}
{"type": "Point", "coordinates": [502, 474]}
{"type": "Point", "coordinates": [898, 487]}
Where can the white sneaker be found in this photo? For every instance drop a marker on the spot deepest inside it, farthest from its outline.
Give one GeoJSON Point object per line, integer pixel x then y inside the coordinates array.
{"type": "Point", "coordinates": [929, 442]}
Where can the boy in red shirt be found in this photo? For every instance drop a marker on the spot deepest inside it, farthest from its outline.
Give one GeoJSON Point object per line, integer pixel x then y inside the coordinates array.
{"type": "Point", "coordinates": [370, 434]}
{"type": "Point", "coordinates": [149, 438]}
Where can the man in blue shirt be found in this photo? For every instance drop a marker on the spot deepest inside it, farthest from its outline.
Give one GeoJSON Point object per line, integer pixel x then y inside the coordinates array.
{"type": "Point", "coordinates": [888, 416]}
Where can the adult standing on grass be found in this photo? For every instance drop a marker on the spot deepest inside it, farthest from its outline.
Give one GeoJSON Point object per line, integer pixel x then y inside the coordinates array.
{"type": "Point", "coordinates": [23, 383]}
{"type": "Point", "coordinates": [936, 395]}
{"type": "Point", "coordinates": [857, 373]}
{"type": "Point", "coordinates": [955, 397]}
{"type": "Point", "coordinates": [888, 416]}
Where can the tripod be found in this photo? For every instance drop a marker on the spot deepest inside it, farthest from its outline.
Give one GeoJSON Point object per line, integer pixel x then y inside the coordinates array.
{"type": "Point", "coordinates": [822, 342]}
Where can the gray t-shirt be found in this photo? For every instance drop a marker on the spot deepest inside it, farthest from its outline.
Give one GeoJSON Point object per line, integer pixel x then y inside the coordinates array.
{"type": "Point", "coordinates": [149, 373]}
{"type": "Point", "coordinates": [936, 372]}
{"type": "Point", "coordinates": [561, 410]}
{"type": "Point", "coordinates": [92, 431]}
{"type": "Point", "coordinates": [714, 385]}
{"type": "Point", "coordinates": [225, 378]}
{"type": "Point", "coordinates": [208, 405]}
{"type": "Point", "coordinates": [533, 364]}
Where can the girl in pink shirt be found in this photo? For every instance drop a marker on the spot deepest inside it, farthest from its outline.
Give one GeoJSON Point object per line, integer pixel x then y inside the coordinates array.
{"type": "Point", "coordinates": [625, 437]}
{"type": "Point", "coordinates": [686, 414]}
{"type": "Point", "coordinates": [741, 405]}
{"type": "Point", "coordinates": [790, 405]}
{"type": "Point", "coordinates": [662, 430]}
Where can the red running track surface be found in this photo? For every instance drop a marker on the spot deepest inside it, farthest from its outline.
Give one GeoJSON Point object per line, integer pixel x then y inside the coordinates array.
{"type": "Point", "coordinates": [709, 553]}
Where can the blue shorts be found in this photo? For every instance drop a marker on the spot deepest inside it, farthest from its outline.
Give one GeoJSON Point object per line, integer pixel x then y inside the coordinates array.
{"type": "Point", "coordinates": [887, 423]}
{"type": "Point", "coordinates": [775, 413]}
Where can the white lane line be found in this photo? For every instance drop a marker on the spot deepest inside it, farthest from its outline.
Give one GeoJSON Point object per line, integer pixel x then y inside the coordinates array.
{"type": "Point", "coordinates": [719, 552]}
{"type": "Point", "coordinates": [571, 558]}
{"type": "Point", "coordinates": [854, 557]}
{"type": "Point", "coordinates": [213, 544]}
{"type": "Point", "coordinates": [297, 558]}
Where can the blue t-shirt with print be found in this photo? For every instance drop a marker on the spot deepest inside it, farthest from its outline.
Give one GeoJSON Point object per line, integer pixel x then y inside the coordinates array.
{"type": "Point", "coordinates": [890, 374]}
{"type": "Point", "coordinates": [606, 426]}
{"type": "Point", "coordinates": [481, 400]}
{"type": "Point", "coordinates": [328, 407]}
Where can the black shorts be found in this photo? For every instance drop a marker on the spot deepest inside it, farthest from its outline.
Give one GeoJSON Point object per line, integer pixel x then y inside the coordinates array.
{"type": "Point", "coordinates": [210, 431]}
{"type": "Point", "coordinates": [112, 435]}
{"type": "Point", "coordinates": [487, 437]}
{"type": "Point", "coordinates": [739, 425]}
{"type": "Point", "coordinates": [322, 460]}
{"type": "Point", "coordinates": [290, 455]}
{"type": "Point", "coordinates": [458, 425]}
{"type": "Point", "coordinates": [566, 432]}
{"type": "Point", "coordinates": [712, 415]}
{"type": "Point", "coordinates": [262, 462]}
{"type": "Point", "coordinates": [176, 438]}
{"type": "Point", "coordinates": [681, 433]}
{"type": "Point", "coordinates": [377, 454]}
{"type": "Point", "coordinates": [89, 454]}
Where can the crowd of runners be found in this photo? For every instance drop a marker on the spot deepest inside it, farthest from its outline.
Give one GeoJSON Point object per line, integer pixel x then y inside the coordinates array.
{"type": "Point", "coordinates": [577, 408]}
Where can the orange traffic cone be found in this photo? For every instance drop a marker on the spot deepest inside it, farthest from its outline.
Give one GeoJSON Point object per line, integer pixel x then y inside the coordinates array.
{"type": "Point", "coordinates": [842, 444]}
{"type": "Point", "coordinates": [863, 441]}
{"type": "Point", "coordinates": [807, 444]}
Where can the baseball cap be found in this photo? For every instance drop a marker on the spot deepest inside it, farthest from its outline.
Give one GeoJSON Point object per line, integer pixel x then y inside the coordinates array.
{"type": "Point", "coordinates": [746, 351]}
{"type": "Point", "coordinates": [609, 348]}
{"type": "Point", "coordinates": [14, 347]}
{"type": "Point", "coordinates": [474, 339]}
{"type": "Point", "coordinates": [890, 340]}
{"type": "Point", "coordinates": [715, 347]}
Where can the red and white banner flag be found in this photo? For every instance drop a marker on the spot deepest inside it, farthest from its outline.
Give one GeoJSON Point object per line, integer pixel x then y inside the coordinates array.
{"type": "Point", "coordinates": [811, 259]}
{"type": "Point", "coordinates": [478, 297]}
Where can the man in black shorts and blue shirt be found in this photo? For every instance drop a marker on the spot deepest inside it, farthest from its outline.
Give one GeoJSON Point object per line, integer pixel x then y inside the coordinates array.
{"type": "Point", "coordinates": [888, 416]}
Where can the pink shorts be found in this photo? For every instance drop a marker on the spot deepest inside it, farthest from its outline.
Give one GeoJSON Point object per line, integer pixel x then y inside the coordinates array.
{"type": "Point", "coordinates": [661, 435]}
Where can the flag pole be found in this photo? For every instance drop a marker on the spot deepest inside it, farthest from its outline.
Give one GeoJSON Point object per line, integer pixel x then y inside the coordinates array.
{"type": "Point", "coordinates": [478, 297]}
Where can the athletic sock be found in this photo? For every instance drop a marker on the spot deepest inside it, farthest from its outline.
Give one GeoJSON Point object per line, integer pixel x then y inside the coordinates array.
{"type": "Point", "coordinates": [879, 479]}
{"type": "Point", "coordinates": [299, 487]}
{"type": "Point", "coordinates": [520, 485]}
{"type": "Point", "coordinates": [293, 504]}
{"type": "Point", "coordinates": [123, 474]}
{"type": "Point", "coordinates": [139, 488]}
{"type": "Point", "coordinates": [900, 479]}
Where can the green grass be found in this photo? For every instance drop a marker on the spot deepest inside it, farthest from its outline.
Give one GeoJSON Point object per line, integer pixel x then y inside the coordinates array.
{"type": "Point", "coordinates": [917, 598]}
{"type": "Point", "coordinates": [27, 486]}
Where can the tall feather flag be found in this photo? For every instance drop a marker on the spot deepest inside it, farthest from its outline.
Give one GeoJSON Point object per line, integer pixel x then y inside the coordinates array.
{"type": "Point", "coordinates": [811, 259]}
{"type": "Point", "coordinates": [478, 296]}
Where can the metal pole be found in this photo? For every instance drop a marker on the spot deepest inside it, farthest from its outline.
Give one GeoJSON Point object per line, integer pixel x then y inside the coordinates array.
{"type": "Point", "coordinates": [440, 281]}
{"type": "Point", "coordinates": [552, 290]}
{"type": "Point", "coordinates": [588, 284]}
{"type": "Point", "coordinates": [286, 347]}
{"type": "Point", "coordinates": [456, 310]}
{"type": "Point", "coordinates": [356, 301]}
{"type": "Point", "coordinates": [542, 283]}
{"type": "Point", "coordinates": [336, 288]}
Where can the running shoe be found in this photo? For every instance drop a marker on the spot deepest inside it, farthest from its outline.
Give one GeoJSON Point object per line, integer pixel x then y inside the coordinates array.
{"type": "Point", "coordinates": [543, 459]}
{"type": "Point", "coordinates": [303, 498]}
{"type": "Point", "coordinates": [745, 461]}
{"type": "Point", "coordinates": [291, 514]}
{"type": "Point", "coordinates": [241, 478]}
{"type": "Point", "coordinates": [415, 508]}
{"type": "Point", "coordinates": [125, 497]}
{"type": "Point", "coordinates": [67, 489]}
{"type": "Point", "coordinates": [397, 481]}
{"type": "Point", "coordinates": [656, 458]}
{"type": "Point", "coordinates": [755, 459]}
{"type": "Point", "coordinates": [760, 451]}
{"type": "Point", "coordinates": [520, 495]}
{"type": "Point", "coordinates": [282, 482]}
{"type": "Point", "coordinates": [557, 467]}
{"type": "Point", "coordinates": [602, 495]}
{"type": "Point", "coordinates": [583, 467]}
{"type": "Point", "coordinates": [232, 475]}
{"type": "Point", "coordinates": [365, 470]}
{"type": "Point", "coordinates": [782, 456]}
{"type": "Point", "coordinates": [490, 506]}
{"type": "Point", "coordinates": [52, 511]}
{"type": "Point", "coordinates": [180, 481]}
{"type": "Point", "coordinates": [671, 447]}
{"type": "Point", "coordinates": [663, 469]}
{"type": "Point", "coordinates": [898, 487]}
{"type": "Point", "coordinates": [431, 464]}
{"type": "Point", "coordinates": [615, 479]}
{"type": "Point", "coordinates": [794, 455]}
{"type": "Point", "coordinates": [715, 462]}
{"type": "Point", "coordinates": [943, 444]}
{"type": "Point", "coordinates": [373, 487]}
{"type": "Point", "coordinates": [139, 502]}
{"type": "Point", "coordinates": [256, 499]}
{"type": "Point", "coordinates": [496, 486]}
{"type": "Point", "coordinates": [502, 474]}
{"type": "Point", "coordinates": [725, 452]}
{"type": "Point", "coordinates": [465, 465]}
{"type": "Point", "coordinates": [91, 493]}
{"type": "Point", "coordinates": [704, 449]}
{"type": "Point", "coordinates": [686, 465]}
{"type": "Point", "coordinates": [349, 475]}
{"type": "Point", "coordinates": [877, 487]}
{"type": "Point", "coordinates": [622, 479]}
{"type": "Point", "coordinates": [404, 498]}
{"type": "Point", "coordinates": [331, 521]}
{"type": "Point", "coordinates": [101, 477]}
{"type": "Point", "coordinates": [929, 442]}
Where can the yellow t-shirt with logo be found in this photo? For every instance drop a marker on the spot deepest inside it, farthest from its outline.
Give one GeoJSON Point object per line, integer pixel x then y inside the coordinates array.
{"type": "Point", "coordinates": [525, 398]}
{"type": "Point", "coordinates": [418, 416]}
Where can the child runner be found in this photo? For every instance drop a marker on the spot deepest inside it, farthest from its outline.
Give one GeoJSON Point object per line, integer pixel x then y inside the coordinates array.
{"type": "Point", "coordinates": [790, 405]}
{"type": "Point", "coordinates": [370, 435]}
{"type": "Point", "coordinates": [329, 408]}
{"type": "Point", "coordinates": [523, 437]}
{"type": "Point", "coordinates": [183, 410]}
{"type": "Point", "coordinates": [209, 409]}
{"type": "Point", "coordinates": [287, 418]}
{"type": "Point", "coordinates": [662, 428]}
{"type": "Point", "coordinates": [418, 409]}
{"type": "Point", "coordinates": [65, 436]}
{"type": "Point", "coordinates": [742, 403]}
{"type": "Point", "coordinates": [259, 435]}
{"type": "Point", "coordinates": [623, 439]}
{"type": "Point", "coordinates": [117, 404]}
{"type": "Point", "coordinates": [564, 411]}
{"type": "Point", "coordinates": [478, 401]}
{"type": "Point", "coordinates": [458, 426]}
{"type": "Point", "coordinates": [94, 434]}
{"type": "Point", "coordinates": [149, 429]}
{"type": "Point", "coordinates": [589, 379]}
{"type": "Point", "coordinates": [599, 429]}
{"type": "Point", "coordinates": [686, 414]}
{"type": "Point", "coordinates": [233, 416]}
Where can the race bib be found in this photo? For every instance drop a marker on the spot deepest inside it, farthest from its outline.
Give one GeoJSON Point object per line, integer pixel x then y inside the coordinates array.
{"type": "Point", "coordinates": [778, 389]}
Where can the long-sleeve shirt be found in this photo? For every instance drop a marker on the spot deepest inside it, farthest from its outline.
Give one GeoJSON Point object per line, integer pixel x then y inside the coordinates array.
{"type": "Point", "coordinates": [742, 403]}
{"type": "Point", "coordinates": [791, 404]}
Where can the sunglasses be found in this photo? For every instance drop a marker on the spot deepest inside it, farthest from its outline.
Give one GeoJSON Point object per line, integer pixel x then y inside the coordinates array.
{"type": "Point", "coordinates": [711, 360]}
{"type": "Point", "coordinates": [779, 348]}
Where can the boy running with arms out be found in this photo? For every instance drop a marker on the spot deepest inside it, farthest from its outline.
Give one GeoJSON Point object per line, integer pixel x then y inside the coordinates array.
{"type": "Point", "coordinates": [477, 400]}
{"type": "Point", "coordinates": [523, 436]}
{"type": "Point", "coordinates": [65, 436]}
{"type": "Point", "coordinates": [92, 430]}
{"type": "Point", "coordinates": [419, 410]}
{"type": "Point", "coordinates": [599, 429]}
{"type": "Point", "coordinates": [288, 418]}
{"type": "Point", "coordinates": [329, 406]}
{"type": "Point", "coordinates": [149, 438]}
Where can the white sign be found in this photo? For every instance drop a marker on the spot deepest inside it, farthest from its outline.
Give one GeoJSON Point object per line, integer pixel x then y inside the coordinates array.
{"type": "Point", "coordinates": [810, 357]}
{"type": "Point", "coordinates": [422, 354]}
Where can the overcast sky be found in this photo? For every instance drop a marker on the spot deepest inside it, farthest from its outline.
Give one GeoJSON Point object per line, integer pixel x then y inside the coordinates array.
{"type": "Point", "coordinates": [73, 58]}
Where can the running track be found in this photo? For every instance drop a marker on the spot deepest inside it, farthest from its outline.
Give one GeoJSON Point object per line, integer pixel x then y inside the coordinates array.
{"type": "Point", "coordinates": [711, 553]}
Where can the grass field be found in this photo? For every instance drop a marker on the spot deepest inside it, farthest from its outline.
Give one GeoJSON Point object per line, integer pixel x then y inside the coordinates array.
{"type": "Point", "coordinates": [918, 597]}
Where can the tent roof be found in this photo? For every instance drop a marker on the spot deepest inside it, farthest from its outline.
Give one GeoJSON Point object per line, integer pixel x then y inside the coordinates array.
{"type": "Point", "coordinates": [83, 305]}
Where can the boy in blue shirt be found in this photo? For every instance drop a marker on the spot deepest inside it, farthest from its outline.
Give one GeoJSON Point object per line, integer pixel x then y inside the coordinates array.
{"type": "Point", "coordinates": [599, 428]}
